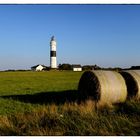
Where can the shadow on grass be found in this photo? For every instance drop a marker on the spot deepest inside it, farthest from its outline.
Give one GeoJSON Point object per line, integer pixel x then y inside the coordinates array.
{"type": "Point", "coordinates": [46, 97]}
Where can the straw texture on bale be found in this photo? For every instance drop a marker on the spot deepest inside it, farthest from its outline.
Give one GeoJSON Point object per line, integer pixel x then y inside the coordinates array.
{"type": "Point", "coordinates": [132, 79]}
{"type": "Point", "coordinates": [103, 87]}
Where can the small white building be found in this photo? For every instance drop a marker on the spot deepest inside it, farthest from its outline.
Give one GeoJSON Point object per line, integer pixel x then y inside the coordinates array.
{"type": "Point", "coordinates": [38, 67]}
{"type": "Point", "coordinates": [77, 67]}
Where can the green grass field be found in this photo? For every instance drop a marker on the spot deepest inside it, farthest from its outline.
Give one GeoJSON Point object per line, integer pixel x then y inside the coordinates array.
{"type": "Point", "coordinates": [26, 83]}
{"type": "Point", "coordinates": [14, 83]}
{"type": "Point", "coordinates": [35, 103]}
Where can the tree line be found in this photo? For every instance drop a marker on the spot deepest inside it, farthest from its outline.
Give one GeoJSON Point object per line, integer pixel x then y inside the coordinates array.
{"type": "Point", "coordinates": [70, 67]}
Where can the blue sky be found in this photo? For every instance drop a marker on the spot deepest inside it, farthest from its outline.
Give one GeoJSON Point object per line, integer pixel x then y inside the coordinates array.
{"type": "Point", "coordinates": [106, 35]}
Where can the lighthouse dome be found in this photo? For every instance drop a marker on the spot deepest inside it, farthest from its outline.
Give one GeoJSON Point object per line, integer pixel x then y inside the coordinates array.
{"type": "Point", "coordinates": [53, 42]}
{"type": "Point", "coordinates": [52, 38]}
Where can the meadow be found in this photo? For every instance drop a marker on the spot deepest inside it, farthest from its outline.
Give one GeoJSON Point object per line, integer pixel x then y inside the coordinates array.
{"type": "Point", "coordinates": [24, 84]}
{"type": "Point", "coordinates": [45, 103]}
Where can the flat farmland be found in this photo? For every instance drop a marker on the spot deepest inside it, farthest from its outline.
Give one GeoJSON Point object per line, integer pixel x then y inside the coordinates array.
{"type": "Point", "coordinates": [14, 84]}
{"type": "Point", "coordinates": [44, 104]}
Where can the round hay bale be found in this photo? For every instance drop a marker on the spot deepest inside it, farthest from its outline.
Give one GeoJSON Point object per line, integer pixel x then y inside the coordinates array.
{"type": "Point", "coordinates": [132, 79]}
{"type": "Point", "coordinates": [104, 87]}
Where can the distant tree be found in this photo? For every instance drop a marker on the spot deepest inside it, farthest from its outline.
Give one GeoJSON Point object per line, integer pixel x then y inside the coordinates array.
{"type": "Point", "coordinates": [46, 68]}
{"type": "Point", "coordinates": [87, 67]}
{"type": "Point", "coordinates": [90, 67]}
{"type": "Point", "coordinates": [65, 67]}
{"type": "Point", "coordinates": [118, 69]}
{"type": "Point", "coordinates": [135, 67]}
{"type": "Point", "coordinates": [96, 67]}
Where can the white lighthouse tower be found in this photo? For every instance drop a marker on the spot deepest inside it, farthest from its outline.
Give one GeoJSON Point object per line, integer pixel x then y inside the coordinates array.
{"type": "Point", "coordinates": [53, 61]}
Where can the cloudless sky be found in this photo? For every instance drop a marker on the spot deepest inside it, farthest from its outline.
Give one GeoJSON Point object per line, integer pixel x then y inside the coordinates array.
{"type": "Point", "coordinates": [106, 35]}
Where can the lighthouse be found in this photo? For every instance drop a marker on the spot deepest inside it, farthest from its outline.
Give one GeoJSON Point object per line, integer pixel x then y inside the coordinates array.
{"type": "Point", "coordinates": [53, 61]}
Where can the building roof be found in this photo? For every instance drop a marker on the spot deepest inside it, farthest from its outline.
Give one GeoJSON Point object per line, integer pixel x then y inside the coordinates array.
{"type": "Point", "coordinates": [38, 65]}
{"type": "Point", "coordinates": [76, 66]}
